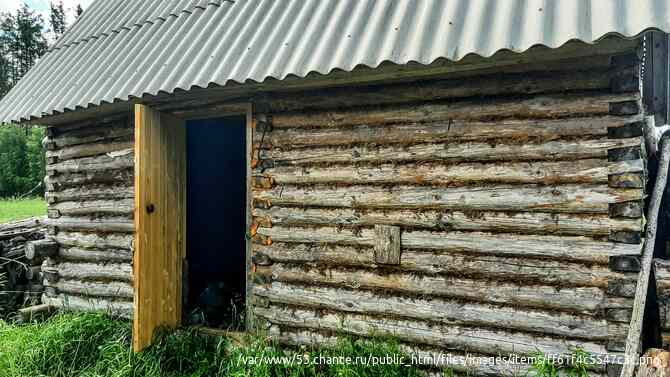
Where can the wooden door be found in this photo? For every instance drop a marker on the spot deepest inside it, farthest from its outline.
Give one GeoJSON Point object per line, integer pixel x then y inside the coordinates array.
{"type": "Point", "coordinates": [160, 222]}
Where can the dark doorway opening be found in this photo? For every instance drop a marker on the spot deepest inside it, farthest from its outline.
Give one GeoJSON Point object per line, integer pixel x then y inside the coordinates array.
{"type": "Point", "coordinates": [216, 217]}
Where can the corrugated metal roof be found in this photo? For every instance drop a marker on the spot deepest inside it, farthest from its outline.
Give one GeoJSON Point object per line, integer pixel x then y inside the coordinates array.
{"type": "Point", "coordinates": [121, 49]}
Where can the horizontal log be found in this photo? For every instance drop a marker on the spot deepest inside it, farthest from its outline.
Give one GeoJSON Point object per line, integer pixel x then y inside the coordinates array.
{"type": "Point", "coordinates": [542, 107]}
{"type": "Point", "coordinates": [97, 256]}
{"type": "Point", "coordinates": [444, 336]}
{"type": "Point", "coordinates": [442, 311]}
{"type": "Point", "coordinates": [489, 267]}
{"type": "Point", "coordinates": [95, 241]}
{"type": "Point", "coordinates": [415, 132]}
{"type": "Point", "coordinates": [87, 150]}
{"type": "Point", "coordinates": [578, 171]}
{"type": "Point", "coordinates": [89, 135]}
{"type": "Point", "coordinates": [41, 249]}
{"type": "Point", "coordinates": [662, 274]}
{"type": "Point", "coordinates": [586, 300]}
{"type": "Point", "coordinates": [35, 312]}
{"type": "Point", "coordinates": [300, 337]}
{"type": "Point", "coordinates": [88, 288]}
{"type": "Point", "coordinates": [543, 82]}
{"type": "Point", "coordinates": [120, 308]}
{"type": "Point", "coordinates": [84, 193]}
{"type": "Point", "coordinates": [95, 271]}
{"type": "Point", "coordinates": [122, 207]}
{"type": "Point", "coordinates": [473, 151]}
{"type": "Point", "coordinates": [111, 161]}
{"type": "Point", "coordinates": [97, 225]}
{"type": "Point", "coordinates": [110, 177]}
{"type": "Point", "coordinates": [556, 247]}
{"type": "Point", "coordinates": [519, 222]}
{"type": "Point", "coordinates": [566, 198]}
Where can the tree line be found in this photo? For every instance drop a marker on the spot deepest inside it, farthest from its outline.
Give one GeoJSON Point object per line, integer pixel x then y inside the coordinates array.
{"type": "Point", "coordinates": [24, 37]}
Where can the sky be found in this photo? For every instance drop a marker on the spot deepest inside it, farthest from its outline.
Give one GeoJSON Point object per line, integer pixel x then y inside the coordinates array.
{"type": "Point", "coordinates": [42, 7]}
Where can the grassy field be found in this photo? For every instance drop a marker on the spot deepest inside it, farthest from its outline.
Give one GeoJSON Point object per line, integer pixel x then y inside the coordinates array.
{"type": "Point", "coordinates": [11, 210]}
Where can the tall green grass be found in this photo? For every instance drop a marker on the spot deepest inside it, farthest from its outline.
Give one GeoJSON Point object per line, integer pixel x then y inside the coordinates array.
{"type": "Point", "coordinates": [95, 345]}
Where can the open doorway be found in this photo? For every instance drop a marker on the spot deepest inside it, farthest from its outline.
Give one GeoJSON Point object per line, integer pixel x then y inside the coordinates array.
{"type": "Point", "coordinates": [215, 273]}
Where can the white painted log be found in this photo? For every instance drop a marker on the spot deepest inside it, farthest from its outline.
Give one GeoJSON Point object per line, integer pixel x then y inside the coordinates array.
{"type": "Point", "coordinates": [95, 241]}
{"type": "Point", "coordinates": [578, 171]}
{"type": "Point", "coordinates": [443, 311]}
{"type": "Point", "coordinates": [122, 207]}
{"type": "Point", "coordinates": [91, 288]}
{"type": "Point", "coordinates": [86, 304]}
{"type": "Point", "coordinates": [96, 256]}
{"type": "Point", "coordinates": [556, 247]}
{"type": "Point", "coordinates": [501, 268]}
{"type": "Point", "coordinates": [444, 336]}
{"type": "Point", "coordinates": [519, 222]}
{"type": "Point", "coordinates": [542, 107]}
{"type": "Point", "coordinates": [98, 225]}
{"type": "Point", "coordinates": [474, 151]}
{"type": "Point", "coordinates": [414, 132]}
{"type": "Point", "coordinates": [95, 271]}
{"type": "Point", "coordinates": [566, 198]}
{"type": "Point", "coordinates": [587, 300]}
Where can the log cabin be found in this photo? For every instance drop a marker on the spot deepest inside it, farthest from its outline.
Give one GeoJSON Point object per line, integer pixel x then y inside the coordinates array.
{"type": "Point", "coordinates": [469, 177]}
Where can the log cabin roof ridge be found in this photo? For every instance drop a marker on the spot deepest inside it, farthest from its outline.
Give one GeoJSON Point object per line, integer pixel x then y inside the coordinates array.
{"type": "Point", "coordinates": [125, 49]}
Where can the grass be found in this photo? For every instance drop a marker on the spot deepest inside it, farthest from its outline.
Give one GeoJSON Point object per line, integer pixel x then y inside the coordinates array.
{"type": "Point", "coordinates": [11, 209]}
{"type": "Point", "coordinates": [95, 345]}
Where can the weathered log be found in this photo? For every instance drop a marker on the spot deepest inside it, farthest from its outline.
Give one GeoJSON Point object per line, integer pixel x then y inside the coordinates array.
{"type": "Point", "coordinates": [89, 135]}
{"type": "Point", "coordinates": [92, 255]}
{"type": "Point", "coordinates": [95, 241]}
{"type": "Point", "coordinates": [110, 177]}
{"type": "Point", "coordinates": [94, 271]}
{"type": "Point", "coordinates": [484, 266]}
{"type": "Point", "coordinates": [34, 273]}
{"type": "Point", "coordinates": [422, 355]}
{"type": "Point", "coordinates": [474, 151]}
{"type": "Point", "coordinates": [115, 289]}
{"type": "Point", "coordinates": [386, 244]}
{"type": "Point", "coordinates": [415, 132]}
{"type": "Point", "coordinates": [486, 85]}
{"type": "Point", "coordinates": [556, 247]}
{"type": "Point", "coordinates": [111, 161]}
{"type": "Point", "coordinates": [629, 209]}
{"type": "Point", "coordinates": [122, 207]}
{"type": "Point", "coordinates": [84, 193]}
{"type": "Point", "coordinates": [74, 303]}
{"type": "Point", "coordinates": [662, 275]}
{"type": "Point", "coordinates": [538, 107]}
{"type": "Point", "coordinates": [585, 300]}
{"type": "Point", "coordinates": [445, 336]}
{"type": "Point", "coordinates": [578, 171]}
{"type": "Point", "coordinates": [87, 150]}
{"type": "Point", "coordinates": [442, 311]}
{"type": "Point", "coordinates": [566, 198]}
{"type": "Point", "coordinates": [633, 342]}
{"type": "Point", "coordinates": [98, 225]}
{"type": "Point", "coordinates": [40, 249]}
{"type": "Point", "coordinates": [34, 312]}
{"type": "Point", "coordinates": [514, 222]}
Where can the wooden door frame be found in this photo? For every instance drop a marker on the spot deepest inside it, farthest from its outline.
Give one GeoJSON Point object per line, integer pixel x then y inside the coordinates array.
{"type": "Point", "coordinates": [245, 109]}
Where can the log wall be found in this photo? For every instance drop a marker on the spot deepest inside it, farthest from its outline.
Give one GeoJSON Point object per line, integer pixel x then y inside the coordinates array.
{"type": "Point", "coordinates": [89, 188]}
{"type": "Point", "coordinates": [511, 203]}
{"type": "Point", "coordinates": [517, 198]}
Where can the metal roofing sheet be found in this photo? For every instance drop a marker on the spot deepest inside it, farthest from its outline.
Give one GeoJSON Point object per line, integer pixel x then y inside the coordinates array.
{"type": "Point", "coordinates": [121, 49]}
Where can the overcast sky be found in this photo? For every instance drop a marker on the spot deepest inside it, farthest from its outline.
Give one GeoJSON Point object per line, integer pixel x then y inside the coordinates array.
{"type": "Point", "coordinates": [42, 6]}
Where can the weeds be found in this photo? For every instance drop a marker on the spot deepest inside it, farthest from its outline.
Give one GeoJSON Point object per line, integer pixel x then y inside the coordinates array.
{"type": "Point", "coordinates": [576, 365]}
{"type": "Point", "coordinates": [95, 345]}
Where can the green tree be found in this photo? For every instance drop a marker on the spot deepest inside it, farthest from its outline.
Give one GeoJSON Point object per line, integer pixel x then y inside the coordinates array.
{"type": "Point", "coordinates": [57, 18]}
